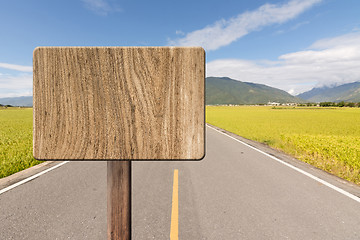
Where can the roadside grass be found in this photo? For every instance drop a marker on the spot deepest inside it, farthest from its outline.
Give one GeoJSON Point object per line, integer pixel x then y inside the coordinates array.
{"type": "Point", "coordinates": [327, 138]}
{"type": "Point", "coordinates": [15, 140]}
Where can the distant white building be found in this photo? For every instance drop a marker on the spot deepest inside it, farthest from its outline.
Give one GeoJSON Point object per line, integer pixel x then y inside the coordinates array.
{"type": "Point", "coordinates": [273, 103]}
{"type": "Point", "coordinates": [289, 104]}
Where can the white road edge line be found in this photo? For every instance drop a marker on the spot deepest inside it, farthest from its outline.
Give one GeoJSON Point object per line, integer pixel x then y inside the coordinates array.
{"type": "Point", "coordinates": [295, 168]}
{"type": "Point", "coordinates": [31, 178]}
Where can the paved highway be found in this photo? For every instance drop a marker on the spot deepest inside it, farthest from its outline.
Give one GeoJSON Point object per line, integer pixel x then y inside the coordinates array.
{"type": "Point", "coordinates": [235, 192]}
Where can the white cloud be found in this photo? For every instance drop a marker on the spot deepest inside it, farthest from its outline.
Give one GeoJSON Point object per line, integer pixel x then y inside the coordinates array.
{"type": "Point", "coordinates": [15, 86]}
{"type": "Point", "coordinates": [20, 68]}
{"type": "Point", "coordinates": [293, 28]}
{"type": "Point", "coordinates": [179, 32]}
{"type": "Point", "coordinates": [326, 62]}
{"type": "Point", "coordinates": [298, 25]}
{"type": "Point", "coordinates": [224, 32]}
{"type": "Point", "coordinates": [101, 7]}
{"type": "Point", "coordinates": [343, 40]}
{"type": "Point", "coordinates": [291, 91]}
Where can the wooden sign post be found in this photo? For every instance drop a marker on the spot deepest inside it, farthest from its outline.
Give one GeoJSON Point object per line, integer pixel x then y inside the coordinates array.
{"type": "Point", "coordinates": [119, 104]}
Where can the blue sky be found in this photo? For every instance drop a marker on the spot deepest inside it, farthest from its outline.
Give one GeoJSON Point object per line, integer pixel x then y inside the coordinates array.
{"type": "Point", "coordinates": [293, 45]}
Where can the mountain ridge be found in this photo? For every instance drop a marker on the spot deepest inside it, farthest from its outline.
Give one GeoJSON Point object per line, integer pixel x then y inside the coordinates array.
{"type": "Point", "coordinates": [224, 90]}
{"type": "Point", "coordinates": [348, 92]}
{"type": "Point", "coordinates": [219, 91]}
{"type": "Point", "coordinates": [24, 101]}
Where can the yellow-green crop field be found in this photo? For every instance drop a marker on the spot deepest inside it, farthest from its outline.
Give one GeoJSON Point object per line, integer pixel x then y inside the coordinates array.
{"type": "Point", "coordinates": [15, 140]}
{"type": "Point", "coordinates": [328, 138]}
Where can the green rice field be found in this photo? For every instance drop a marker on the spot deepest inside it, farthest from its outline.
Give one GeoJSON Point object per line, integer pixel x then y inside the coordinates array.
{"type": "Point", "coordinates": [15, 140]}
{"type": "Point", "coordinates": [328, 138]}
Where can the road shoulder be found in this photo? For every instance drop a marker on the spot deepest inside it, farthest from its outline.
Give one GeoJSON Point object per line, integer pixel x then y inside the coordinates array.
{"type": "Point", "coordinates": [19, 176]}
{"type": "Point", "coordinates": [328, 177]}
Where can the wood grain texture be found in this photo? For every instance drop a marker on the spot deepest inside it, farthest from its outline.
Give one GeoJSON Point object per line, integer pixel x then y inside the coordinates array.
{"type": "Point", "coordinates": [119, 200]}
{"type": "Point", "coordinates": [133, 103]}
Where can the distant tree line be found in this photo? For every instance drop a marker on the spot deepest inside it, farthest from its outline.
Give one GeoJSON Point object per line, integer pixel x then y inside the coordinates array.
{"type": "Point", "coordinates": [339, 104]}
{"type": "Point", "coordinates": [331, 104]}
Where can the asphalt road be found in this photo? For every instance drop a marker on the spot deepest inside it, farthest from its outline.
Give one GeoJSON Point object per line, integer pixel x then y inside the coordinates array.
{"type": "Point", "coordinates": [235, 192]}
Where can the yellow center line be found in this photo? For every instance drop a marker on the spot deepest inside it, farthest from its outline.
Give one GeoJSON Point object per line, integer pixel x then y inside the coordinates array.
{"type": "Point", "coordinates": [174, 230]}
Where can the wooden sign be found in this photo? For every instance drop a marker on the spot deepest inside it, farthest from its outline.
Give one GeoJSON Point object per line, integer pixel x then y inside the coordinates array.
{"type": "Point", "coordinates": [119, 103]}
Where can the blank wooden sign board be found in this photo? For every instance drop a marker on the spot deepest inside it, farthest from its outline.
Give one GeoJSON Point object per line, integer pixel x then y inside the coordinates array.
{"type": "Point", "coordinates": [119, 103]}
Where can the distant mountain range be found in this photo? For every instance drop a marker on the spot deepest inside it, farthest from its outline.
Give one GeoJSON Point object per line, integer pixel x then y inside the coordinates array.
{"type": "Point", "coordinates": [224, 90]}
{"type": "Point", "coordinates": [349, 92]}
{"type": "Point", "coordinates": [17, 101]}
{"type": "Point", "coordinates": [218, 91]}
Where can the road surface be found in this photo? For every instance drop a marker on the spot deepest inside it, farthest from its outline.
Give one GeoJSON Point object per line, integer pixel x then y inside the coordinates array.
{"type": "Point", "coordinates": [235, 192]}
